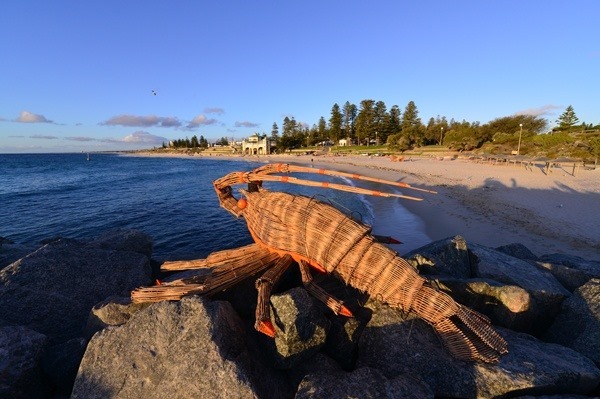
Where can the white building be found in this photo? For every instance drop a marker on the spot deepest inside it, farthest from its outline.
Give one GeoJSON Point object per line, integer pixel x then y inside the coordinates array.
{"type": "Point", "coordinates": [255, 145]}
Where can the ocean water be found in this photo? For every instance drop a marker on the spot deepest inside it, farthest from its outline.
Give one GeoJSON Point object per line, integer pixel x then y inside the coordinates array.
{"type": "Point", "coordinates": [172, 199]}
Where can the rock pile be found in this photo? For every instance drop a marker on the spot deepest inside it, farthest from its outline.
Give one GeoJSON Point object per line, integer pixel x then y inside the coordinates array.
{"type": "Point", "coordinates": [67, 327]}
{"type": "Point", "coordinates": [45, 301]}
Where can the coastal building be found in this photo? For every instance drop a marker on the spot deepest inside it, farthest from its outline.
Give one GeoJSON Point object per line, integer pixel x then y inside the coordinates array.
{"type": "Point", "coordinates": [258, 145]}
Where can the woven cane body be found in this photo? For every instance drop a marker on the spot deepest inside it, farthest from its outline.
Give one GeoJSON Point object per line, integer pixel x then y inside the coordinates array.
{"type": "Point", "coordinates": [289, 228]}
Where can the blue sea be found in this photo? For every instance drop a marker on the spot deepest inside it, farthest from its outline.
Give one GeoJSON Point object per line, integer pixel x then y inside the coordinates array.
{"type": "Point", "coordinates": [44, 196]}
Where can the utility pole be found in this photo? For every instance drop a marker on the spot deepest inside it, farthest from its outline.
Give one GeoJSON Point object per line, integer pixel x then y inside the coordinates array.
{"type": "Point", "coordinates": [520, 134]}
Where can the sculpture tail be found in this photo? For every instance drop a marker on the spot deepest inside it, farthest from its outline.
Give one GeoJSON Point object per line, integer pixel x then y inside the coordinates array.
{"type": "Point", "coordinates": [466, 334]}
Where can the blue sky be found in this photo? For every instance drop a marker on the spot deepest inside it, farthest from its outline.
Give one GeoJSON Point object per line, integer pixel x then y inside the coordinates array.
{"type": "Point", "coordinates": [79, 75]}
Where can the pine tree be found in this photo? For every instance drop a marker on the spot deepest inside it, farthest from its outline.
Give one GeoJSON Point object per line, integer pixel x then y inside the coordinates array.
{"type": "Point", "coordinates": [568, 119]}
{"type": "Point", "coordinates": [322, 129]}
{"type": "Point", "coordinates": [365, 121]}
{"type": "Point", "coordinates": [412, 127]}
{"type": "Point", "coordinates": [275, 132]}
{"type": "Point", "coordinates": [410, 118]}
{"type": "Point", "coordinates": [381, 125]}
{"type": "Point", "coordinates": [335, 123]}
{"type": "Point", "coordinates": [349, 117]}
{"type": "Point", "coordinates": [393, 122]}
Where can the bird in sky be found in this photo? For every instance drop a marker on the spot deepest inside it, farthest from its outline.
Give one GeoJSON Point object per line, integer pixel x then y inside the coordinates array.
{"type": "Point", "coordinates": [153, 92]}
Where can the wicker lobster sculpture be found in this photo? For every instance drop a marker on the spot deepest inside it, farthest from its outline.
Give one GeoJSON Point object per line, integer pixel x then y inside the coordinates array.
{"type": "Point", "coordinates": [288, 228]}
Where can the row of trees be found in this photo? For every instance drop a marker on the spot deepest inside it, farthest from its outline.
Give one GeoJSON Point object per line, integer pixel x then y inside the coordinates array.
{"type": "Point", "coordinates": [372, 123]}
{"type": "Point", "coordinates": [194, 142]}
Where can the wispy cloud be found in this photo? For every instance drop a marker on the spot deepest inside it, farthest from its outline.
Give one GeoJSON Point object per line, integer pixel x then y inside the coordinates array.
{"type": "Point", "coordinates": [170, 122]}
{"type": "Point", "coordinates": [80, 138]}
{"type": "Point", "coordinates": [218, 111]}
{"type": "Point", "coordinates": [29, 117]}
{"type": "Point", "coordinates": [201, 120]}
{"type": "Point", "coordinates": [42, 137]}
{"type": "Point", "coordinates": [544, 110]}
{"type": "Point", "coordinates": [246, 124]}
{"type": "Point", "coordinates": [142, 121]}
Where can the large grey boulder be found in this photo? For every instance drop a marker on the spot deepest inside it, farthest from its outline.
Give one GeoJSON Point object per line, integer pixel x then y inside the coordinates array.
{"type": "Point", "coordinates": [320, 363]}
{"type": "Point", "coordinates": [20, 352]}
{"type": "Point", "coordinates": [11, 252]}
{"type": "Point", "coordinates": [364, 383]}
{"type": "Point", "coordinates": [506, 305]}
{"type": "Point", "coordinates": [53, 289]}
{"type": "Point", "coordinates": [193, 348]}
{"type": "Point", "coordinates": [578, 324]}
{"type": "Point", "coordinates": [343, 338]}
{"type": "Point", "coordinates": [61, 361]}
{"type": "Point", "coordinates": [547, 292]}
{"type": "Point", "coordinates": [572, 271]}
{"type": "Point", "coordinates": [124, 240]}
{"type": "Point", "coordinates": [300, 327]}
{"type": "Point", "coordinates": [517, 250]}
{"type": "Point", "coordinates": [398, 346]}
{"type": "Point", "coordinates": [113, 311]}
{"type": "Point", "coordinates": [448, 257]}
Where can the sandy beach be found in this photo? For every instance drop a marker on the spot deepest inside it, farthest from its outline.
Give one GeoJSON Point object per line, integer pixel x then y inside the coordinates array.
{"type": "Point", "coordinates": [488, 204]}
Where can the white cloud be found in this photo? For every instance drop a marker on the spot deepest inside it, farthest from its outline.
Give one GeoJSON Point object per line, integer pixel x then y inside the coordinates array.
{"type": "Point", "coordinates": [201, 120]}
{"type": "Point", "coordinates": [141, 137]}
{"type": "Point", "coordinates": [29, 117]}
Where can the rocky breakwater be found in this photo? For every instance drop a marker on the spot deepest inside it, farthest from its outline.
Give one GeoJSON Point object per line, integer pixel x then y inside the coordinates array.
{"type": "Point", "coordinates": [546, 307]}
{"type": "Point", "coordinates": [45, 301]}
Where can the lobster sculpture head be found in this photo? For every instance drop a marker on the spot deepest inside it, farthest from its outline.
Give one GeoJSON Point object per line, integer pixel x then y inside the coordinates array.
{"type": "Point", "coordinates": [290, 228]}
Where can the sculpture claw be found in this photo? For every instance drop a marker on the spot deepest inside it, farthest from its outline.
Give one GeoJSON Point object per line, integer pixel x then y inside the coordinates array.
{"type": "Point", "coordinates": [266, 327]}
{"type": "Point", "coordinates": [344, 311]}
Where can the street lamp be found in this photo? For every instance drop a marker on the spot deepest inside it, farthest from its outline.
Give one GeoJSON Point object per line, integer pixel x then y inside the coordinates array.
{"type": "Point", "coordinates": [520, 134]}
{"type": "Point", "coordinates": [376, 139]}
{"type": "Point", "coordinates": [441, 134]}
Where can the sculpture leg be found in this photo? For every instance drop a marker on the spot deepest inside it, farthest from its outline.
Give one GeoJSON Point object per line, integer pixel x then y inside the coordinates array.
{"type": "Point", "coordinates": [332, 303]}
{"type": "Point", "coordinates": [265, 285]}
{"type": "Point", "coordinates": [212, 277]}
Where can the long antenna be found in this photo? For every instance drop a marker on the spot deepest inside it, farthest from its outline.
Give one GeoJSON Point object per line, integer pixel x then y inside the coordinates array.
{"type": "Point", "coordinates": [341, 187]}
{"type": "Point", "coordinates": [286, 168]}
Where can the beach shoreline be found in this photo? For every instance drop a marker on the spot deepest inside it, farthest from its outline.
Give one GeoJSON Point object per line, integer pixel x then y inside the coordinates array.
{"type": "Point", "coordinates": [487, 204]}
